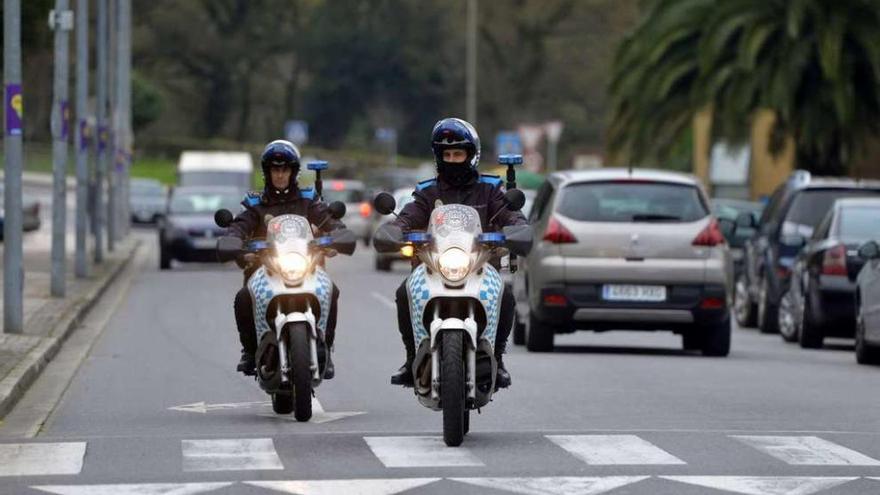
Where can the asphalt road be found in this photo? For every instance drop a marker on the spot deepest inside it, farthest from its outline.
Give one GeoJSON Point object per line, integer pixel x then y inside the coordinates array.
{"type": "Point", "coordinates": [157, 408]}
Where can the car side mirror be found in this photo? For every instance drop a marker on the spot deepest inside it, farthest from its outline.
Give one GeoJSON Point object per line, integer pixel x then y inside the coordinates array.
{"type": "Point", "coordinates": [515, 199]}
{"type": "Point", "coordinates": [384, 203]}
{"type": "Point", "coordinates": [223, 218]}
{"type": "Point", "coordinates": [336, 209]}
{"type": "Point", "coordinates": [746, 220]}
{"type": "Point", "coordinates": [869, 251]}
{"type": "Point", "coordinates": [793, 240]}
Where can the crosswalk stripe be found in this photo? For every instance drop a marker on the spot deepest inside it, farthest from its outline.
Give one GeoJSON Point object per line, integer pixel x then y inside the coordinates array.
{"type": "Point", "coordinates": [135, 489]}
{"type": "Point", "coordinates": [606, 450]}
{"type": "Point", "coordinates": [38, 459]}
{"type": "Point", "coordinates": [335, 487]}
{"type": "Point", "coordinates": [556, 485]}
{"type": "Point", "coordinates": [764, 485]}
{"type": "Point", "coordinates": [230, 455]}
{"type": "Point", "coordinates": [807, 451]}
{"type": "Point", "coordinates": [419, 452]}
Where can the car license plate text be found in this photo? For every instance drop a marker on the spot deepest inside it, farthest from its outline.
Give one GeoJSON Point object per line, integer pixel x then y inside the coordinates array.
{"type": "Point", "coordinates": [649, 293]}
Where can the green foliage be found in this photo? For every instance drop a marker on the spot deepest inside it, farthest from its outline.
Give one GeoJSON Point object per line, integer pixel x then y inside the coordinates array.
{"type": "Point", "coordinates": [146, 102]}
{"type": "Point", "coordinates": [816, 63]}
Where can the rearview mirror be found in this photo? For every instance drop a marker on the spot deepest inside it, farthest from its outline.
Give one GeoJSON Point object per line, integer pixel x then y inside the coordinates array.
{"type": "Point", "coordinates": [337, 209]}
{"type": "Point", "coordinates": [515, 199]}
{"type": "Point", "coordinates": [869, 251]}
{"type": "Point", "coordinates": [223, 218]}
{"type": "Point", "coordinates": [384, 203]}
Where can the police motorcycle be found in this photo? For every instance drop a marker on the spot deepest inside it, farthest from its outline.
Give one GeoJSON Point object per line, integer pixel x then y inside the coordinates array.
{"type": "Point", "coordinates": [292, 294]}
{"type": "Point", "coordinates": [455, 302]}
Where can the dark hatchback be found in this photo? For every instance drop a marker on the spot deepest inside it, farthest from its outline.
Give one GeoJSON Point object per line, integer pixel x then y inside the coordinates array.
{"type": "Point", "coordinates": [820, 300]}
{"type": "Point", "coordinates": [795, 209]}
{"type": "Point", "coordinates": [187, 232]}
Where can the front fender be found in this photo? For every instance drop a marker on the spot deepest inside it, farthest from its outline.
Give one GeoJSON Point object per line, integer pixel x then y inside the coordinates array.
{"type": "Point", "coordinates": [468, 326]}
{"type": "Point", "coordinates": [297, 317]}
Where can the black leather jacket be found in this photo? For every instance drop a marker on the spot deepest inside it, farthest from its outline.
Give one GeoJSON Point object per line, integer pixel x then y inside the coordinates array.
{"type": "Point", "coordinates": [250, 224]}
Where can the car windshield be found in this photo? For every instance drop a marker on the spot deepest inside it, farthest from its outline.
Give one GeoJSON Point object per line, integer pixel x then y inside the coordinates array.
{"type": "Point", "coordinates": [147, 190]}
{"type": "Point", "coordinates": [189, 203]}
{"type": "Point", "coordinates": [631, 201]}
{"type": "Point", "coordinates": [859, 223]}
{"type": "Point", "coordinates": [810, 207]}
{"type": "Point", "coordinates": [342, 194]}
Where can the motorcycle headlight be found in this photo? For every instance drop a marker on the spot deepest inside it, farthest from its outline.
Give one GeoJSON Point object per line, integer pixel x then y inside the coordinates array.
{"type": "Point", "coordinates": [293, 266]}
{"type": "Point", "coordinates": [454, 264]}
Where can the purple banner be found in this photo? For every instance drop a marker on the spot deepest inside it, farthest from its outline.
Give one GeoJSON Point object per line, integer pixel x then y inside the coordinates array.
{"type": "Point", "coordinates": [85, 135]}
{"type": "Point", "coordinates": [65, 119]}
{"type": "Point", "coordinates": [14, 110]}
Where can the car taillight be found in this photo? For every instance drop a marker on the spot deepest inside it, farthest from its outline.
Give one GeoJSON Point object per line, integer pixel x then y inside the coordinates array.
{"type": "Point", "coordinates": [834, 261]}
{"type": "Point", "coordinates": [558, 234]}
{"type": "Point", "coordinates": [366, 209]}
{"type": "Point", "coordinates": [710, 236]}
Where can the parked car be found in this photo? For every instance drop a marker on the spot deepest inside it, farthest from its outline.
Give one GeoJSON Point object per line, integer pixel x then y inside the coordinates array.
{"type": "Point", "coordinates": [820, 299]}
{"type": "Point", "coordinates": [148, 200]}
{"type": "Point", "coordinates": [384, 261]}
{"type": "Point", "coordinates": [729, 210]}
{"type": "Point", "coordinates": [795, 208]}
{"type": "Point", "coordinates": [868, 305]}
{"type": "Point", "coordinates": [625, 250]}
{"type": "Point", "coordinates": [358, 210]}
{"type": "Point", "coordinates": [30, 213]}
{"type": "Point", "coordinates": [187, 231]}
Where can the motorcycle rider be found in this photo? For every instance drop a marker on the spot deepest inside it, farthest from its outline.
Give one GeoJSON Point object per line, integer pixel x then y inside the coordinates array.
{"type": "Point", "coordinates": [281, 195]}
{"type": "Point", "coordinates": [456, 147]}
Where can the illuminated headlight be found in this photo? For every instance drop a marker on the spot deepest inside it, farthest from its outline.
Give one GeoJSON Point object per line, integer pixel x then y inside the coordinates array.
{"type": "Point", "coordinates": [293, 266]}
{"type": "Point", "coordinates": [454, 264]}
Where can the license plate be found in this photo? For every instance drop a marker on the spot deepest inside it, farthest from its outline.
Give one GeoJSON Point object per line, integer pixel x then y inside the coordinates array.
{"type": "Point", "coordinates": [203, 243]}
{"type": "Point", "coordinates": [645, 293]}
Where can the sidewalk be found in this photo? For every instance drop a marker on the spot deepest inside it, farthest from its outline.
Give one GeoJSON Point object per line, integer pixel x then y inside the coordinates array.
{"type": "Point", "coordinates": [47, 320]}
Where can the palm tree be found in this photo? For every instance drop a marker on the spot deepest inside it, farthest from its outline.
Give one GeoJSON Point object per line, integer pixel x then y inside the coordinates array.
{"type": "Point", "coordinates": [815, 63]}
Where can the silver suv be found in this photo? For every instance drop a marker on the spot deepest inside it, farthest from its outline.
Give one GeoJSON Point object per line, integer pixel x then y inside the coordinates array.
{"type": "Point", "coordinates": [626, 250]}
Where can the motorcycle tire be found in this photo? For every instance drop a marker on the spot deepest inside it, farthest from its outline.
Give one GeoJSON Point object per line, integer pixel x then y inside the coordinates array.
{"type": "Point", "coordinates": [300, 364]}
{"type": "Point", "coordinates": [282, 403]}
{"type": "Point", "coordinates": [452, 388]}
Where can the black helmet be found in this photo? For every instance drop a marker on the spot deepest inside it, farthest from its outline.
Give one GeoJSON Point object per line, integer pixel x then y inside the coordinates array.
{"type": "Point", "coordinates": [279, 153]}
{"type": "Point", "coordinates": [452, 133]}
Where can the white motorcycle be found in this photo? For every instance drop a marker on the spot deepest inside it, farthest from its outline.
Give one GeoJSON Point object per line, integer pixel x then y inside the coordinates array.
{"type": "Point", "coordinates": [455, 302]}
{"type": "Point", "coordinates": [292, 294]}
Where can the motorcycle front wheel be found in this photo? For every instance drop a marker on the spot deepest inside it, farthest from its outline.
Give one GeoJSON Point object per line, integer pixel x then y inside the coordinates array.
{"type": "Point", "coordinates": [300, 364]}
{"type": "Point", "coordinates": [452, 388]}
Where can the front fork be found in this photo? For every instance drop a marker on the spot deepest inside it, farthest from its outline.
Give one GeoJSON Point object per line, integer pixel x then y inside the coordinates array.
{"type": "Point", "coordinates": [467, 326]}
{"type": "Point", "coordinates": [281, 320]}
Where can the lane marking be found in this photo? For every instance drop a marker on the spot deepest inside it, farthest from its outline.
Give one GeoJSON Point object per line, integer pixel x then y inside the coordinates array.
{"type": "Point", "coordinates": [39, 459]}
{"type": "Point", "coordinates": [385, 301]}
{"type": "Point", "coordinates": [607, 450]}
{"type": "Point", "coordinates": [556, 485]}
{"type": "Point", "coordinates": [335, 487]}
{"type": "Point", "coordinates": [134, 489]}
{"type": "Point", "coordinates": [203, 408]}
{"type": "Point", "coordinates": [419, 452]}
{"type": "Point", "coordinates": [764, 485]}
{"type": "Point", "coordinates": [807, 451]}
{"type": "Point", "coordinates": [230, 455]}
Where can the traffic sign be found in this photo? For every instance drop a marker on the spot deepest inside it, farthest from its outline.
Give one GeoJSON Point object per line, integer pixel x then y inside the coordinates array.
{"type": "Point", "coordinates": [296, 131]}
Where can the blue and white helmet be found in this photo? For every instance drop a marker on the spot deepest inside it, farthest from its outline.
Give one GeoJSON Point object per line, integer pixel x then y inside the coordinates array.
{"type": "Point", "coordinates": [453, 133]}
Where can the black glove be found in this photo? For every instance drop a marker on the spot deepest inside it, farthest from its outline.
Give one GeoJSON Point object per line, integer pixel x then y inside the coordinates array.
{"type": "Point", "coordinates": [387, 238]}
{"type": "Point", "coordinates": [344, 241]}
{"type": "Point", "coordinates": [519, 239]}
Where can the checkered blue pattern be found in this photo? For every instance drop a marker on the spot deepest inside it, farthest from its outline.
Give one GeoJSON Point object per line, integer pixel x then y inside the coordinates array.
{"type": "Point", "coordinates": [491, 289]}
{"type": "Point", "coordinates": [262, 294]}
{"type": "Point", "coordinates": [418, 299]}
{"type": "Point", "coordinates": [324, 292]}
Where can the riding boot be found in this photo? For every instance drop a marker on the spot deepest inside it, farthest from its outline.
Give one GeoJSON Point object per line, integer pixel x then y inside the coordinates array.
{"type": "Point", "coordinates": [404, 375]}
{"type": "Point", "coordinates": [502, 377]}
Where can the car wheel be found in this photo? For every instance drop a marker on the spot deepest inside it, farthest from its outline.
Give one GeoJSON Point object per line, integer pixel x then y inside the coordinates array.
{"type": "Point", "coordinates": [865, 352]}
{"type": "Point", "coordinates": [539, 336]}
{"type": "Point", "coordinates": [788, 321]}
{"type": "Point", "coordinates": [716, 338]}
{"type": "Point", "coordinates": [767, 312]}
{"type": "Point", "coordinates": [811, 334]}
{"type": "Point", "coordinates": [383, 264]}
{"type": "Point", "coordinates": [691, 340]}
{"type": "Point", "coordinates": [519, 330]}
{"type": "Point", "coordinates": [164, 258]}
{"type": "Point", "coordinates": [743, 307]}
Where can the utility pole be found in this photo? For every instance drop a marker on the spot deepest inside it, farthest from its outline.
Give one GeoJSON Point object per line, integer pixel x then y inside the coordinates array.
{"type": "Point", "coordinates": [112, 41]}
{"type": "Point", "coordinates": [99, 212]}
{"type": "Point", "coordinates": [61, 21]}
{"type": "Point", "coordinates": [13, 271]}
{"type": "Point", "coordinates": [81, 266]}
{"type": "Point", "coordinates": [471, 110]}
{"type": "Point", "coordinates": [125, 130]}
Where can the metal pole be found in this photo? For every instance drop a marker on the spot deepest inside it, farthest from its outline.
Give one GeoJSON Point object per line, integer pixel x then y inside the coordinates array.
{"type": "Point", "coordinates": [81, 266]}
{"type": "Point", "coordinates": [125, 105]}
{"type": "Point", "coordinates": [13, 271]}
{"type": "Point", "coordinates": [61, 24]}
{"type": "Point", "coordinates": [100, 132]}
{"type": "Point", "coordinates": [113, 40]}
{"type": "Point", "coordinates": [472, 62]}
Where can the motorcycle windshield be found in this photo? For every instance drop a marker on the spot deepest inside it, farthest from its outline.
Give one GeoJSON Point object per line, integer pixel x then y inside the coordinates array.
{"type": "Point", "coordinates": [289, 234]}
{"type": "Point", "coordinates": [454, 226]}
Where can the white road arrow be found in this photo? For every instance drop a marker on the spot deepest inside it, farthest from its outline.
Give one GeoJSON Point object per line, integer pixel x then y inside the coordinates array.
{"type": "Point", "coordinates": [319, 415]}
{"type": "Point", "coordinates": [764, 485]}
{"type": "Point", "coordinates": [334, 487]}
{"type": "Point", "coordinates": [554, 485]}
{"type": "Point", "coordinates": [134, 489]}
{"type": "Point", "coordinates": [201, 407]}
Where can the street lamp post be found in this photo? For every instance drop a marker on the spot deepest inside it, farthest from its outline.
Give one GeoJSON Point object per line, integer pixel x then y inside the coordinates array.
{"type": "Point", "coordinates": [13, 271]}
{"type": "Point", "coordinates": [81, 142]}
{"type": "Point", "coordinates": [61, 21]}
{"type": "Point", "coordinates": [471, 110]}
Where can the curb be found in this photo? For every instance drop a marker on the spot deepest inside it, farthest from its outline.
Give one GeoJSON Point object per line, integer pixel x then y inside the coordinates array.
{"type": "Point", "coordinates": [17, 382]}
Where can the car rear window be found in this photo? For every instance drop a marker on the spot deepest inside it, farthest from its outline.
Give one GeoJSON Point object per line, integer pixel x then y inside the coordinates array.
{"type": "Point", "coordinates": [344, 195]}
{"type": "Point", "coordinates": [859, 223]}
{"type": "Point", "coordinates": [200, 203]}
{"type": "Point", "coordinates": [632, 201]}
{"type": "Point", "coordinates": [810, 206]}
